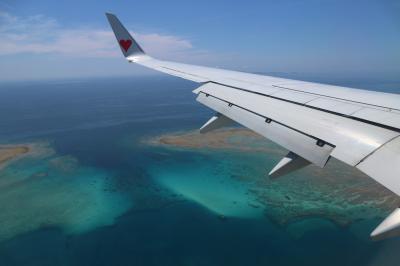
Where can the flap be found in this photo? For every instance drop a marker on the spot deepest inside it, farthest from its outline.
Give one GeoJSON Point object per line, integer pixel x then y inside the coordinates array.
{"type": "Point", "coordinates": [353, 140]}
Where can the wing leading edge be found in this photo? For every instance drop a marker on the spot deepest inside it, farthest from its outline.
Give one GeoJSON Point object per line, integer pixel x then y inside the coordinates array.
{"type": "Point", "coordinates": [313, 121]}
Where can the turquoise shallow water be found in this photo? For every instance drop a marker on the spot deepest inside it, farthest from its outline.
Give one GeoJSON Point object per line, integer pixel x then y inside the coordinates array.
{"type": "Point", "coordinates": [94, 194]}
{"type": "Point", "coordinates": [205, 181]}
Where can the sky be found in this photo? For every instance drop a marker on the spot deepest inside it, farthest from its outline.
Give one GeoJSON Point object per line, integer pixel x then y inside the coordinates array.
{"type": "Point", "coordinates": [46, 39]}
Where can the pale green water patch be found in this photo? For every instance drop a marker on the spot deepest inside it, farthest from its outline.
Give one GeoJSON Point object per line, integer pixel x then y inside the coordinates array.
{"type": "Point", "coordinates": [56, 191]}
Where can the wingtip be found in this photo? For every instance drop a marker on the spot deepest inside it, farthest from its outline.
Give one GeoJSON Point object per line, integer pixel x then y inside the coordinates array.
{"type": "Point", "coordinates": [128, 45]}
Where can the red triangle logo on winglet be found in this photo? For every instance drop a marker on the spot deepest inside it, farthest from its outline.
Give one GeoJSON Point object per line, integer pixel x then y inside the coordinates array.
{"type": "Point", "coordinates": [125, 44]}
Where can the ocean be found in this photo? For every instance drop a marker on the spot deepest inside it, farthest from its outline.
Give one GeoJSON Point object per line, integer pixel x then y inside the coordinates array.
{"type": "Point", "coordinates": [94, 193]}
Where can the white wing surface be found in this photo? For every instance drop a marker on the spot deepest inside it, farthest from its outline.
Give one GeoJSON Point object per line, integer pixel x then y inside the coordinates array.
{"type": "Point", "coordinates": [313, 121]}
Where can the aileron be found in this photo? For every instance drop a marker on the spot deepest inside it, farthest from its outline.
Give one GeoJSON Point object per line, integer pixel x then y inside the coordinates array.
{"type": "Point", "coordinates": [305, 146]}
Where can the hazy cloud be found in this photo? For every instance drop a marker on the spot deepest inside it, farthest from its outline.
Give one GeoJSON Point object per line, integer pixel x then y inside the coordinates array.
{"type": "Point", "coordinates": [42, 35]}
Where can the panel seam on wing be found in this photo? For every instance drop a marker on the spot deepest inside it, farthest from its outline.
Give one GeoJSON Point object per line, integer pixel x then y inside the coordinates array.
{"type": "Point", "coordinates": [185, 73]}
{"type": "Point", "coordinates": [372, 152]}
{"type": "Point", "coordinates": [312, 107]}
{"type": "Point", "coordinates": [337, 98]}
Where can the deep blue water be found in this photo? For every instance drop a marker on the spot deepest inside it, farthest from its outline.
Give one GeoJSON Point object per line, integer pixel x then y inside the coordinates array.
{"type": "Point", "coordinates": [100, 123]}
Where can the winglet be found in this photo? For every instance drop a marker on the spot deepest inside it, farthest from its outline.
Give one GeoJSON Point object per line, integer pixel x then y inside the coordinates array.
{"type": "Point", "coordinates": [128, 45]}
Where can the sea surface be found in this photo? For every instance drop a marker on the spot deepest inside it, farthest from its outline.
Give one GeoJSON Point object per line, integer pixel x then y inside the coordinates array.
{"type": "Point", "coordinates": [95, 194]}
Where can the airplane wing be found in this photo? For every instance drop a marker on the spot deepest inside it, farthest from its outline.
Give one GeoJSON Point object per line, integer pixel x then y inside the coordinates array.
{"type": "Point", "coordinates": [313, 121]}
